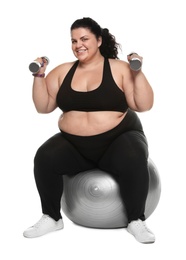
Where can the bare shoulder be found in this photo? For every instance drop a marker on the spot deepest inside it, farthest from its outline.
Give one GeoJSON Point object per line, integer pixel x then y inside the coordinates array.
{"type": "Point", "coordinates": [56, 76]}
{"type": "Point", "coordinates": [61, 69]}
{"type": "Point", "coordinates": [119, 65]}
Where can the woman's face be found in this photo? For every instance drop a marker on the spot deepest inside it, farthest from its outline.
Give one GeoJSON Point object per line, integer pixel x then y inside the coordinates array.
{"type": "Point", "coordinates": [84, 43]}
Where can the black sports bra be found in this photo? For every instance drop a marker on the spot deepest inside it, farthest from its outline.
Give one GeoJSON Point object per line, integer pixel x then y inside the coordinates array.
{"type": "Point", "coordinates": [107, 97]}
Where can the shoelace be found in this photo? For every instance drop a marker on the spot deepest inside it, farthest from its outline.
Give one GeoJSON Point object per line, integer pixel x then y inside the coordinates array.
{"type": "Point", "coordinates": [43, 219]}
{"type": "Point", "coordinates": [142, 226]}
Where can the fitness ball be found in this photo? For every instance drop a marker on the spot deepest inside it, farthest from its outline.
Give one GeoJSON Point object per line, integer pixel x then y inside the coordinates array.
{"type": "Point", "coordinates": [92, 198]}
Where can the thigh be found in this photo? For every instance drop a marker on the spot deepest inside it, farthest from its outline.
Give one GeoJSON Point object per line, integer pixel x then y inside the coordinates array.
{"type": "Point", "coordinates": [129, 150]}
{"type": "Point", "coordinates": [57, 155]}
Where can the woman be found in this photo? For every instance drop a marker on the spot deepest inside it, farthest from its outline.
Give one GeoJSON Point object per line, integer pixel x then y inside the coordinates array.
{"type": "Point", "coordinates": [98, 94]}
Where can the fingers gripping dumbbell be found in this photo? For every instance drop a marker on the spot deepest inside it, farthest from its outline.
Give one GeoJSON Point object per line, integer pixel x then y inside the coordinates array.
{"type": "Point", "coordinates": [35, 66]}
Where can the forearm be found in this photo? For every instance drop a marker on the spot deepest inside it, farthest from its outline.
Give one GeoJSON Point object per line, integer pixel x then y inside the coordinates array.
{"type": "Point", "coordinates": [40, 95]}
{"type": "Point", "coordinates": [142, 92]}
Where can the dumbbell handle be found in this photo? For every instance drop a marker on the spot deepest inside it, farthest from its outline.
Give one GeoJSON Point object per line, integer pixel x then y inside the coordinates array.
{"type": "Point", "coordinates": [35, 66]}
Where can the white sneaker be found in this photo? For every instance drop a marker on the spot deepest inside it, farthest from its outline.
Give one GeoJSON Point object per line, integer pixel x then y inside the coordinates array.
{"type": "Point", "coordinates": [45, 225]}
{"type": "Point", "coordinates": [140, 231]}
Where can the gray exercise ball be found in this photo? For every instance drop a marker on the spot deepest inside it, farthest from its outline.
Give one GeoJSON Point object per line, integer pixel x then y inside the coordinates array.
{"type": "Point", "coordinates": [92, 198]}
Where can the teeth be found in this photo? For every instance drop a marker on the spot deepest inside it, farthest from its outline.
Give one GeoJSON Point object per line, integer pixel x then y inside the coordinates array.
{"type": "Point", "coordinates": [81, 50]}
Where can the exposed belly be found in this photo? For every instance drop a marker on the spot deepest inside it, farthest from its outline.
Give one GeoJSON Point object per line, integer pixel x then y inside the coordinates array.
{"type": "Point", "coordinates": [89, 123]}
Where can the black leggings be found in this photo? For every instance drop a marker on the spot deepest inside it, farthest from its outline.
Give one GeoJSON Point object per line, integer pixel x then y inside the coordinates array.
{"type": "Point", "coordinates": [122, 151]}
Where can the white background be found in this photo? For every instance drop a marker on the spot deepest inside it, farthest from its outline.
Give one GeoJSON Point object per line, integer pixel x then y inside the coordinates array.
{"type": "Point", "coordinates": [154, 29]}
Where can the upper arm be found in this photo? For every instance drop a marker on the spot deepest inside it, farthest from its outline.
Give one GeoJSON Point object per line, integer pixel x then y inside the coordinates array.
{"type": "Point", "coordinates": [52, 84]}
{"type": "Point", "coordinates": [138, 91]}
{"type": "Point", "coordinates": [128, 86]}
{"type": "Point", "coordinates": [54, 80]}
{"type": "Point", "coordinates": [123, 78]}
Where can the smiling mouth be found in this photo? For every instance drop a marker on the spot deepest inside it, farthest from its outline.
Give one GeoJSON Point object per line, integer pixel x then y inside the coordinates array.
{"type": "Point", "coordinates": [80, 51]}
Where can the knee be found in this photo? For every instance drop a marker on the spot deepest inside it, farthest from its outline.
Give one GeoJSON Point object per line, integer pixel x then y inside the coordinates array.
{"type": "Point", "coordinates": [42, 158]}
{"type": "Point", "coordinates": [134, 147]}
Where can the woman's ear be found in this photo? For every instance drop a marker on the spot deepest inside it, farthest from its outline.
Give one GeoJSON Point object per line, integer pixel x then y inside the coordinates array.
{"type": "Point", "coordinates": [99, 41]}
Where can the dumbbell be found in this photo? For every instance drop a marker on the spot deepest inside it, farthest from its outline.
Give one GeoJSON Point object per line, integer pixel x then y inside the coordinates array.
{"type": "Point", "coordinates": [35, 66]}
{"type": "Point", "coordinates": [135, 63]}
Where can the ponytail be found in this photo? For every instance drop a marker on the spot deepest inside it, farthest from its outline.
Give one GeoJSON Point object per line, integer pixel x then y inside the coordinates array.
{"type": "Point", "coordinates": [109, 47]}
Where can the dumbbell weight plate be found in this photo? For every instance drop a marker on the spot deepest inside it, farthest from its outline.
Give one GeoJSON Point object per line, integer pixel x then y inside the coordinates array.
{"type": "Point", "coordinates": [34, 66]}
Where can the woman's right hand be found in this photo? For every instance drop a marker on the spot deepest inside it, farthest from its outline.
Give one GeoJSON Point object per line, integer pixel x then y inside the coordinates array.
{"type": "Point", "coordinates": [43, 62]}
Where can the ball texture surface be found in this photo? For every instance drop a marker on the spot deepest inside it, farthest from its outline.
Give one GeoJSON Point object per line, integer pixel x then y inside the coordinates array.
{"type": "Point", "coordinates": [92, 198]}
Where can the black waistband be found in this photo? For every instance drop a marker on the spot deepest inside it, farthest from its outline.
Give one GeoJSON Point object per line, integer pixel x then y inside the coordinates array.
{"type": "Point", "coordinates": [93, 147]}
{"type": "Point", "coordinates": [130, 122]}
